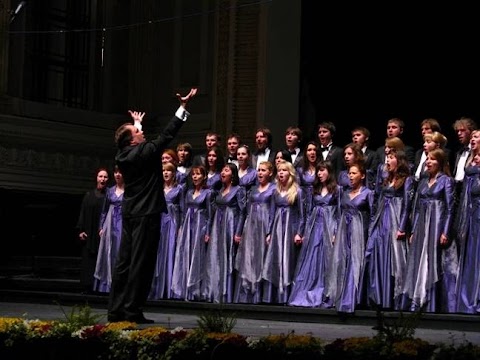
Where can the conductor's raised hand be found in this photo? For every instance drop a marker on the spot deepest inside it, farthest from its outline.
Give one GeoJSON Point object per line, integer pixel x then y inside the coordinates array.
{"type": "Point", "coordinates": [137, 116]}
{"type": "Point", "coordinates": [184, 99]}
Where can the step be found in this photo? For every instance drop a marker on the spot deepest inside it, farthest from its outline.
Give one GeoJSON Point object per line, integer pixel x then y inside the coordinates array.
{"type": "Point", "coordinates": [457, 322]}
{"type": "Point", "coordinates": [53, 267]}
{"type": "Point", "coordinates": [35, 283]}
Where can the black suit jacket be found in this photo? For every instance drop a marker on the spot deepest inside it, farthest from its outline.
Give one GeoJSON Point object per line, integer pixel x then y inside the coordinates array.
{"type": "Point", "coordinates": [271, 158]}
{"type": "Point", "coordinates": [335, 156]}
{"type": "Point", "coordinates": [142, 171]}
{"type": "Point", "coordinates": [371, 165]}
{"type": "Point", "coordinates": [199, 159]}
{"type": "Point", "coordinates": [409, 153]}
{"type": "Point", "coordinates": [371, 160]}
{"type": "Point", "coordinates": [418, 156]}
{"type": "Point", "coordinates": [298, 159]}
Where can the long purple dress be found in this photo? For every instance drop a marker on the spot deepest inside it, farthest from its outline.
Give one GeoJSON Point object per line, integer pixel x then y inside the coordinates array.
{"type": "Point", "coordinates": [281, 255]}
{"type": "Point", "coordinates": [432, 269]}
{"type": "Point", "coordinates": [191, 247]}
{"type": "Point", "coordinates": [251, 250]}
{"type": "Point", "coordinates": [170, 224]}
{"type": "Point", "coordinates": [181, 177]}
{"type": "Point", "coordinates": [227, 222]}
{"type": "Point", "coordinates": [306, 180]}
{"type": "Point", "coordinates": [214, 182]}
{"type": "Point", "coordinates": [385, 256]}
{"type": "Point", "coordinates": [468, 287]}
{"type": "Point", "coordinates": [343, 179]}
{"type": "Point", "coordinates": [382, 174]}
{"type": "Point", "coordinates": [111, 224]}
{"type": "Point", "coordinates": [345, 278]}
{"type": "Point", "coordinates": [314, 259]}
{"type": "Point", "coordinates": [249, 179]}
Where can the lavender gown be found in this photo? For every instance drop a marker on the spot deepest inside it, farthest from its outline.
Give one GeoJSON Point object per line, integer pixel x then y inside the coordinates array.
{"type": "Point", "coordinates": [345, 277]}
{"type": "Point", "coordinates": [468, 287]}
{"type": "Point", "coordinates": [431, 268]}
{"type": "Point", "coordinates": [191, 248]}
{"type": "Point", "coordinates": [228, 220]}
{"type": "Point", "coordinates": [251, 250]}
{"type": "Point", "coordinates": [249, 179]}
{"type": "Point", "coordinates": [281, 255]}
{"type": "Point", "coordinates": [306, 180]}
{"type": "Point", "coordinates": [213, 182]}
{"type": "Point", "coordinates": [170, 224]}
{"type": "Point", "coordinates": [314, 259]}
{"type": "Point", "coordinates": [381, 175]}
{"type": "Point", "coordinates": [343, 179]}
{"type": "Point", "coordinates": [111, 223]}
{"type": "Point", "coordinates": [181, 177]}
{"type": "Point", "coordinates": [385, 256]}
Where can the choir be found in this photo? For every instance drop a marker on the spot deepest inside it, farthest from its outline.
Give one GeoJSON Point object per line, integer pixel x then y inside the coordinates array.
{"type": "Point", "coordinates": [374, 231]}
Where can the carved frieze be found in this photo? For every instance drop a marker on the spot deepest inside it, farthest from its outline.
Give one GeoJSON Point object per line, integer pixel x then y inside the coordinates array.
{"type": "Point", "coordinates": [42, 155]}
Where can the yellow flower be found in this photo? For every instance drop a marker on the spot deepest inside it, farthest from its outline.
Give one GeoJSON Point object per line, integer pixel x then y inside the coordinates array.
{"type": "Point", "coordinates": [121, 325]}
{"type": "Point", "coordinates": [7, 323]}
{"type": "Point", "coordinates": [152, 332]}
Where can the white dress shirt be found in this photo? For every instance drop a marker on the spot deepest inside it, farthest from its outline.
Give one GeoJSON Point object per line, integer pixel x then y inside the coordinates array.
{"type": "Point", "coordinates": [418, 172]}
{"type": "Point", "coordinates": [460, 170]}
{"type": "Point", "coordinates": [263, 157]}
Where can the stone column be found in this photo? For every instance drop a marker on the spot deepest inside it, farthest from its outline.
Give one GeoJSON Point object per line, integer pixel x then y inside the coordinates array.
{"type": "Point", "coordinates": [282, 68]}
{"type": "Point", "coordinates": [4, 23]}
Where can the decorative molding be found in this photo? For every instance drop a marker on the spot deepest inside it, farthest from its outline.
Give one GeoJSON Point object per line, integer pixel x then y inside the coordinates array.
{"type": "Point", "coordinates": [52, 156]}
{"type": "Point", "coordinates": [29, 169]}
{"type": "Point", "coordinates": [239, 68]}
{"type": "Point", "coordinates": [4, 40]}
{"type": "Point", "coordinates": [51, 162]}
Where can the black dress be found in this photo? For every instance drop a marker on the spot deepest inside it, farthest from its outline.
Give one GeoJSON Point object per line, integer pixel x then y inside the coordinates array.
{"type": "Point", "coordinates": [89, 222]}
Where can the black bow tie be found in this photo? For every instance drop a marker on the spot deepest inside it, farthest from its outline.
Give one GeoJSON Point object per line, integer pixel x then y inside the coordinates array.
{"type": "Point", "coordinates": [293, 152]}
{"type": "Point", "coordinates": [324, 148]}
{"type": "Point", "coordinates": [232, 158]}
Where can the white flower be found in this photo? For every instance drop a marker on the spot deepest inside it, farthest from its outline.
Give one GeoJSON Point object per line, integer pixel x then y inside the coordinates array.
{"type": "Point", "coordinates": [177, 329]}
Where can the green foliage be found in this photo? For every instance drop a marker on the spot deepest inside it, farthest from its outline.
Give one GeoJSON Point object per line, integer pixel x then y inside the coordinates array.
{"type": "Point", "coordinates": [402, 328]}
{"type": "Point", "coordinates": [374, 348]}
{"type": "Point", "coordinates": [289, 346]}
{"type": "Point", "coordinates": [201, 345]}
{"type": "Point", "coordinates": [80, 316]}
{"type": "Point", "coordinates": [217, 321]}
{"type": "Point", "coordinates": [79, 336]}
{"type": "Point", "coordinates": [190, 347]}
{"type": "Point", "coordinates": [464, 351]}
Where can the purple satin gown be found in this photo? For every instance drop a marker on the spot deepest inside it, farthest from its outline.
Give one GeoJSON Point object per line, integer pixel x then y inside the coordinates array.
{"type": "Point", "coordinates": [170, 224]}
{"type": "Point", "coordinates": [314, 259]}
{"type": "Point", "coordinates": [228, 221]}
{"type": "Point", "coordinates": [111, 224]}
{"type": "Point", "coordinates": [190, 251]}
{"type": "Point", "coordinates": [251, 250]}
{"type": "Point", "coordinates": [386, 256]}
{"type": "Point", "coordinates": [345, 277]}
{"type": "Point", "coordinates": [430, 280]}
{"type": "Point", "coordinates": [281, 256]}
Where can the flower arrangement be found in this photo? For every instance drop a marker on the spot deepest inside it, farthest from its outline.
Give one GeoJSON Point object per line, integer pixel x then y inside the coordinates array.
{"type": "Point", "coordinates": [78, 338]}
{"type": "Point", "coordinates": [289, 346]}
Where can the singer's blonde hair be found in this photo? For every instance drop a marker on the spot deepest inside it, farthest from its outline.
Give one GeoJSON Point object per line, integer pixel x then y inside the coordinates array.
{"type": "Point", "coordinates": [292, 185]}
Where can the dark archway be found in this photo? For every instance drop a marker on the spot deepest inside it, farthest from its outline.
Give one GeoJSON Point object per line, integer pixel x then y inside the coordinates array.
{"type": "Point", "coordinates": [364, 69]}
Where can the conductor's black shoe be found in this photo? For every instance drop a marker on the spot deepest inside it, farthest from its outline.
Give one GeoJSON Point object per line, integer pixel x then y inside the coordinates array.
{"type": "Point", "coordinates": [140, 319]}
